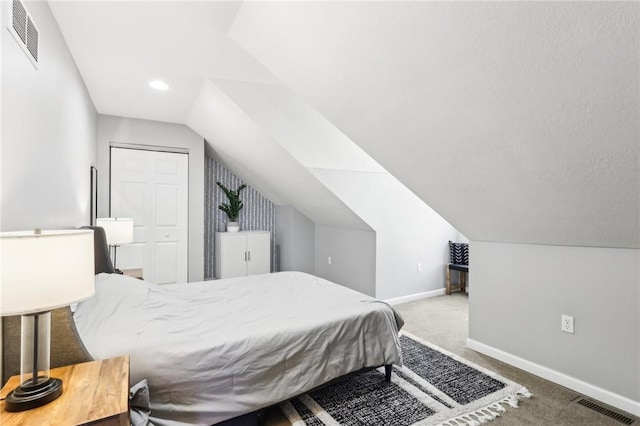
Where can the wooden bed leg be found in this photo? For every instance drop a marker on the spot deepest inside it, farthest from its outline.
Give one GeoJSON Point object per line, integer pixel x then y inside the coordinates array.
{"type": "Point", "coordinates": [387, 372]}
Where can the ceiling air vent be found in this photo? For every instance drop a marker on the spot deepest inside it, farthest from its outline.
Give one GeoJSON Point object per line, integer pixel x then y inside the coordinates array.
{"type": "Point", "coordinates": [24, 31]}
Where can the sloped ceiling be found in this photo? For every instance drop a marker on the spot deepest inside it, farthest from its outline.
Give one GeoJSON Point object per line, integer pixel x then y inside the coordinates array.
{"type": "Point", "coordinates": [247, 149]}
{"type": "Point", "coordinates": [516, 121]}
{"type": "Point", "coordinates": [120, 46]}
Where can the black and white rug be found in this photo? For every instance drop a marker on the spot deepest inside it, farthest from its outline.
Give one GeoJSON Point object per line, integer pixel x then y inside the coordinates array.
{"type": "Point", "coordinates": [434, 387]}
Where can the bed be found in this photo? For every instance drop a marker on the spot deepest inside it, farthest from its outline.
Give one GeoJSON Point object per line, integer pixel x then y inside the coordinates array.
{"type": "Point", "coordinates": [215, 350]}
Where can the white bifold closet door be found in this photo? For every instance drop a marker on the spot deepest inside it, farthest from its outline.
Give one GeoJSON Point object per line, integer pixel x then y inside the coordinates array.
{"type": "Point", "coordinates": [152, 188]}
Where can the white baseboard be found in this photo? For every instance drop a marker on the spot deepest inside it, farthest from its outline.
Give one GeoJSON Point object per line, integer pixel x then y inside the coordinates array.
{"type": "Point", "coordinates": [416, 296]}
{"type": "Point", "coordinates": [603, 395]}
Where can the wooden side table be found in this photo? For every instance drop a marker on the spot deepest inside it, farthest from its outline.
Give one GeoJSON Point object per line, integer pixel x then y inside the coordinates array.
{"type": "Point", "coordinates": [134, 273]}
{"type": "Point", "coordinates": [95, 392]}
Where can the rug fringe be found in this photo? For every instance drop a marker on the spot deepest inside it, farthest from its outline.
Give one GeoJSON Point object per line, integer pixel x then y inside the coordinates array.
{"type": "Point", "coordinates": [488, 413]}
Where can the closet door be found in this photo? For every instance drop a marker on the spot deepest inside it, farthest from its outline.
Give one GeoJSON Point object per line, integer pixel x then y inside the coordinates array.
{"type": "Point", "coordinates": [152, 188]}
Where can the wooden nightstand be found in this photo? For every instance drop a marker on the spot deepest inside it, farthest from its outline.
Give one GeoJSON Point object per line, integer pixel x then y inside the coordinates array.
{"type": "Point", "coordinates": [134, 273]}
{"type": "Point", "coordinates": [95, 392]}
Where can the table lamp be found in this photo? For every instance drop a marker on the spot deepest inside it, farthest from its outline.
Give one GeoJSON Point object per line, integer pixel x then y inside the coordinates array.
{"type": "Point", "coordinates": [119, 230]}
{"type": "Point", "coordinates": [41, 271]}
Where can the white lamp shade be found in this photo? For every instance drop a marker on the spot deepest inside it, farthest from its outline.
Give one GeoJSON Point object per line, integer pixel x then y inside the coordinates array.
{"type": "Point", "coordinates": [119, 230]}
{"type": "Point", "coordinates": [47, 271]}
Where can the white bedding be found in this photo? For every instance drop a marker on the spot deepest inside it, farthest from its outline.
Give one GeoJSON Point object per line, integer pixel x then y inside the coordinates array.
{"type": "Point", "coordinates": [217, 349]}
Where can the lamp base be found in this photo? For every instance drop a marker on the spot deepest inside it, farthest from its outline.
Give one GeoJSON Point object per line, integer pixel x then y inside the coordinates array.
{"type": "Point", "coordinates": [27, 397]}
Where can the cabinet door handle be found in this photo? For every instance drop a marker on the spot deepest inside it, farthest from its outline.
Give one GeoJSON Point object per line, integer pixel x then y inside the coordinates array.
{"type": "Point", "coordinates": [249, 253]}
{"type": "Point", "coordinates": [245, 256]}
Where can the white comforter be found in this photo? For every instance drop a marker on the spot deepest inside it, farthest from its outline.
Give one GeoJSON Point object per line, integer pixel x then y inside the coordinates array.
{"type": "Point", "coordinates": [217, 349]}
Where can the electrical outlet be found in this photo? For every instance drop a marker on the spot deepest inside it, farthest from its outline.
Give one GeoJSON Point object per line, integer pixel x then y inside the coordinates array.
{"type": "Point", "coordinates": [567, 324]}
{"type": "Point", "coordinates": [329, 260]}
{"type": "Point", "coordinates": [419, 267]}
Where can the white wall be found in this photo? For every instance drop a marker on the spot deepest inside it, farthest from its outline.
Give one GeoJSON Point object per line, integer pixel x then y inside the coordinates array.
{"type": "Point", "coordinates": [353, 257]}
{"type": "Point", "coordinates": [519, 293]}
{"type": "Point", "coordinates": [296, 238]}
{"type": "Point", "coordinates": [48, 132]}
{"type": "Point", "coordinates": [306, 246]}
{"type": "Point", "coordinates": [48, 127]}
{"type": "Point", "coordinates": [244, 147]}
{"type": "Point", "coordinates": [408, 232]}
{"type": "Point", "coordinates": [154, 133]}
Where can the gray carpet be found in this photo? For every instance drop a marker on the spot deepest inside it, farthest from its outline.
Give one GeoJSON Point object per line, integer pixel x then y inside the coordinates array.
{"type": "Point", "coordinates": [443, 321]}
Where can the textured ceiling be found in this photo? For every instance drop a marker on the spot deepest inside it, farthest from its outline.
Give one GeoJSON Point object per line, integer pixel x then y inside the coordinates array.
{"type": "Point", "coordinates": [120, 47]}
{"type": "Point", "coordinates": [516, 121]}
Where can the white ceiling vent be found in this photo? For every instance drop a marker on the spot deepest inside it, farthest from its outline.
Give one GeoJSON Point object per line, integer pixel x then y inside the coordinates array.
{"type": "Point", "coordinates": [24, 31]}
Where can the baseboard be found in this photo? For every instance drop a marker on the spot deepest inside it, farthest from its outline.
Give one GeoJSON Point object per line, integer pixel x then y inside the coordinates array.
{"type": "Point", "coordinates": [603, 395]}
{"type": "Point", "coordinates": [415, 296]}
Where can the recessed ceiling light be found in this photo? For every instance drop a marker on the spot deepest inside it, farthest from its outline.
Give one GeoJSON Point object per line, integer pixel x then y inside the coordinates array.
{"type": "Point", "coordinates": [159, 85]}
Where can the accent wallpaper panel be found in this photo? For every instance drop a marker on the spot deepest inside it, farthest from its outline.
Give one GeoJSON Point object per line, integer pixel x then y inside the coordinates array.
{"type": "Point", "coordinates": [258, 213]}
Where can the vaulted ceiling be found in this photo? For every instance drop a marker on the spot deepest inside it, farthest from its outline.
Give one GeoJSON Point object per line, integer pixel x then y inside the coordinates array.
{"type": "Point", "coordinates": [516, 121]}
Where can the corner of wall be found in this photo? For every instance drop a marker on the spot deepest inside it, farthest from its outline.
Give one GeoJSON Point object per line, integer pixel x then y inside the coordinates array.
{"type": "Point", "coordinates": [296, 239]}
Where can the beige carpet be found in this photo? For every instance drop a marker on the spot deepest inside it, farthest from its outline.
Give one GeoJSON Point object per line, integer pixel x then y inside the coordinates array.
{"type": "Point", "coordinates": [443, 321]}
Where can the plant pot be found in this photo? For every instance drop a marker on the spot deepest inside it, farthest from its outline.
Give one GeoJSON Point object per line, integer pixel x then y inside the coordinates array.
{"type": "Point", "coordinates": [233, 226]}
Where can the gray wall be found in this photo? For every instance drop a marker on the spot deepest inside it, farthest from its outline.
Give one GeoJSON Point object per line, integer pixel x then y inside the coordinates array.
{"type": "Point", "coordinates": [48, 132]}
{"type": "Point", "coordinates": [520, 291]}
{"type": "Point", "coordinates": [353, 257]}
{"type": "Point", "coordinates": [48, 140]}
{"type": "Point", "coordinates": [296, 240]}
{"type": "Point", "coordinates": [258, 212]}
{"type": "Point", "coordinates": [155, 133]}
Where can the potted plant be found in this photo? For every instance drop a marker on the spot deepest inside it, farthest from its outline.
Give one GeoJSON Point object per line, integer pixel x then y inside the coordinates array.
{"type": "Point", "coordinates": [233, 207]}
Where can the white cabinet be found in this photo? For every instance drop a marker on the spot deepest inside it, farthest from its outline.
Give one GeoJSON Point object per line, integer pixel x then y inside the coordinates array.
{"type": "Point", "coordinates": [242, 253]}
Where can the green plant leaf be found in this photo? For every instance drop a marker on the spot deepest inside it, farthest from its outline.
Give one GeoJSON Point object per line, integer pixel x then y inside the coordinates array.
{"type": "Point", "coordinates": [235, 205]}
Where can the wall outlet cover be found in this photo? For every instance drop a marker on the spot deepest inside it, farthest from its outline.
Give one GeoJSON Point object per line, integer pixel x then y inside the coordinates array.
{"type": "Point", "coordinates": [566, 324]}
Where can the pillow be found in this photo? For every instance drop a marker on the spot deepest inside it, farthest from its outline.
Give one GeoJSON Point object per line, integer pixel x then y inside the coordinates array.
{"type": "Point", "coordinates": [139, 404]}
{"type": "Point", "coordinates": [459, 253]}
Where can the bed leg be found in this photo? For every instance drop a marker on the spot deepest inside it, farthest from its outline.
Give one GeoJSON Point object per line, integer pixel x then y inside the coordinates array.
{"type": "Point", "coordinates": [387, 372]}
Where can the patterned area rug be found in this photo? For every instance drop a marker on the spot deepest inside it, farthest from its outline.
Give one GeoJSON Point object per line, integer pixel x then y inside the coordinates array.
{"type": "Point", "coordinates": [434, 387]}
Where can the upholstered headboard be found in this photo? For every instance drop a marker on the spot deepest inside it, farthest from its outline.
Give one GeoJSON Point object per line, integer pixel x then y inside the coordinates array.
{"type": "Point", "coordinates": [66, 346]}
{"type": "Point", "coordinates": [101, 251]}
